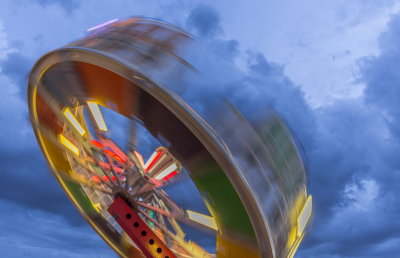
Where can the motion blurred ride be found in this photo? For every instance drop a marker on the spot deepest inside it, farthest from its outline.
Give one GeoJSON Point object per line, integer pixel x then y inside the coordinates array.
{"type": "Point", "coordinates": [168, 183]}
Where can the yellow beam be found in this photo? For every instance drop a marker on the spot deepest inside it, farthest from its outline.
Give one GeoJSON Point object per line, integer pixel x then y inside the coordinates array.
{"type": "Point", "coordinates": [70, 146]}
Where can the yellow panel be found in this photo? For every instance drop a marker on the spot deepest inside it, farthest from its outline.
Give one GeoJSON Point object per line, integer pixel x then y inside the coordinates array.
{"type": "Point", "coordinates": [233, 248]}
{"type": "Point", "coordinates": [70, 146]}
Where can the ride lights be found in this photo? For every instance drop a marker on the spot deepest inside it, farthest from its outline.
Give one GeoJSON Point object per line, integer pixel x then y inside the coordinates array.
{"type": "Point", "coordinates": [202, 219]}
{"type": "Point", "coordinates": [74, 122]}
{"type": "Point", "coordinates": [162, 165]}
{"type": "Point", "coordinates": [98, 117]}
{"type": "Point", "coordinates": [70, 146]}
{"type": "Point", "coordinates": [304, 216]}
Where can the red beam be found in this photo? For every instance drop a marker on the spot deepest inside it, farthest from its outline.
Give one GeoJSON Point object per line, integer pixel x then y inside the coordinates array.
{"type": "Point", "coordinates": [141, 234]}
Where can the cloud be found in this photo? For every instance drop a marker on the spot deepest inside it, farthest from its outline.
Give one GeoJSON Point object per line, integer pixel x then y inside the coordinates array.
{"type": "Point", "coordinates": [204, 19]}
{"type": "Point", "coordinates": [68, 5]}
{"type": "Point", "coordinates": [4, 47]}
{"type": "Point", "coordinates": [360, 225]}
{"type": "Point", "coordinates": [379, 73]}
{"type": "Point", "coordinates": [356, 167]}
{"type": "Point", "coordinates": [32, 233]}
{"type": "Point", "coordinates": [16, 67]}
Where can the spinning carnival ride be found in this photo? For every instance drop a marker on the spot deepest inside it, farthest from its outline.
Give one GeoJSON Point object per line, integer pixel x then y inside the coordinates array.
{"type": "Point", "coordinates": [163, 182]}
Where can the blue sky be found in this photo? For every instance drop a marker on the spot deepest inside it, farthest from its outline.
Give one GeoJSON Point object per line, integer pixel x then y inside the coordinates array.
{"type": "Point", "coordinates": [329, 67]}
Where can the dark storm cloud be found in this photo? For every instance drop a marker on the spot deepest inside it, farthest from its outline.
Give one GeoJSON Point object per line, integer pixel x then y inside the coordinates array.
{"type": "Point", "coordinates": [204, 20]}
{"type": "Point", "coordinates": [33, 233]}
{"type": "Point", "coordinates": [353, 212]}
{"type": "Point", "coordinates": [382, 80]}
{"type": "Point", "coordinates": [336, 158]}
{"type": "Point", "coordinates": [381, 76]}
{"type": "Point", "coordinates": [363, 140]}
{"type": "Point", "coordinates": [17, 66]}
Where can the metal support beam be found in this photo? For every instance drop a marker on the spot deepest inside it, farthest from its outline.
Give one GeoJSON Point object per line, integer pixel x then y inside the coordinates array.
{"type": "Point", "coordinates": [140, 233]}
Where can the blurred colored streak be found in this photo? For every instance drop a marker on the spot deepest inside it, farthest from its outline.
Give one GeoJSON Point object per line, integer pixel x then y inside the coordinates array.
{"type": "Point", "coordinates": [102, 25]}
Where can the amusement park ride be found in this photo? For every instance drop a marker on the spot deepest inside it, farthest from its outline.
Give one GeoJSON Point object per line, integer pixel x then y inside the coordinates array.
{"type": "Point", "coordinates": [227, 188]}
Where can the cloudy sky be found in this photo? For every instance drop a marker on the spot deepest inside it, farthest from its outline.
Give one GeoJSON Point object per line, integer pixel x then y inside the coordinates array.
{"type": "Point", "coordinates": [329, 67]}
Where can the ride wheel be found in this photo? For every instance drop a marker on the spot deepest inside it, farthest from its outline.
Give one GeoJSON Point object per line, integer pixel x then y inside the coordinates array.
{"type": "Point", "coordinates": [144, 169]}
